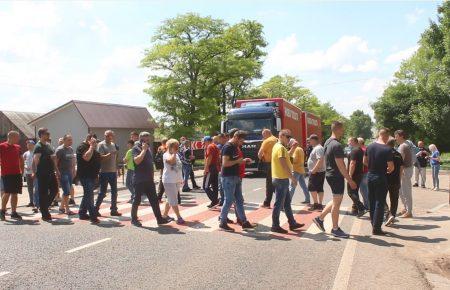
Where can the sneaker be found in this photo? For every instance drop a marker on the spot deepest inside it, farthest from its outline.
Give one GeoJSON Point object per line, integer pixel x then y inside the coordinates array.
{"type": "Point", "coordinates": [186, 190]}
{"type": "Point", "coordinates": [70, 213]}
{"type": "Point", "coordinates": [415, 185]}
{"type": "Point", "coordinates": [30, 204]}
{"type": "Point", "coordinates": [84, 217]}
{"type": "Point", "coordinates": [305, 202]}
{"type": "Point", "coordinates": [423, 186]}
{"type": "Point", "coordinates": [221, 203]}
{"type": "Point", "coordinates": [180, 221]}
{"type": "Point", "coordinates": [116, 213]}
{"type": "Point", "coordinates": [379, 233]}
{"type": "Point", "coordinates": [213, 204]}
{"type": "Point", "coordinates": [15, 215]}
{"type": "Point", "coordinates": [228, 221]}
{"type": "Point", "coordinates": [247, 226]}
{"type": "Point", "coordinates": [278, 229]}
{"type": "Point", "coordinates": [407, 215]}
{"type": "Point", "coordinates": [313, 207]}
{"type": "Point", "coordinates": [169, 218]}
{"type": "Point", "coordinates": [47, 218]}
{"type": "Point", "coordinates": [136, 223]}
{"type": "Point", "coordinates": [55, 203]}
{"type": "Point", "coordinates": [319, 223]}
{"type": "Point", "coordinates": [265, 205]}
{"type": "Point", "coordinates": [61, 210]}
{"type": "Point", "coordinates": [226, 227]}
{"type": "Point", "coordinates": [390, 221]}
{"type": "Point", "coordinates": [338, 233]}
{"type": "Point", "coordinates": [361, 212]}
{"type": "Point", "coordinates": [296, 226]}
{"type": "Point", "coordinates": [164, 221]}
{"type": "Point", "coordinates": [95, 221]}
{"type": "Point", "coordinates": [196, 187]}
{"type": "Point", "coordinates": [72, 201]}
{"type": "Point", "coordinates": [2, 215]}
{"type": "Point", "coordinates": [35, 210]}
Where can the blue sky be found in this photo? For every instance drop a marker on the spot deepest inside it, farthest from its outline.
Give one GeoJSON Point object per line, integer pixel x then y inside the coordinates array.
{"type": "Point", "coordinates": [345, 52]}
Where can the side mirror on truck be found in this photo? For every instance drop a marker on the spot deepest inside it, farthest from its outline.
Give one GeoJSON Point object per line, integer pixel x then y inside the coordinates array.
{"type": "Point", "coordinates": [278, 124]}
{"type": "Point", "coordinates": [222, 126]}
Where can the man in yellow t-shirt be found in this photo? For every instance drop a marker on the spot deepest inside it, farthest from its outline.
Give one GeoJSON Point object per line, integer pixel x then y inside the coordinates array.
{"type": "Point", "coordinates": [298, 165]}
{"type": "Point", "coordinates": [281, 173]}
{"type": "Point", "coordinates": [265, 156]}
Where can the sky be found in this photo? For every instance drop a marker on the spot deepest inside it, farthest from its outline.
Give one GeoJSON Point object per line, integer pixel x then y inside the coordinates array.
{"type": "Point", "coordinates": [345, 52]}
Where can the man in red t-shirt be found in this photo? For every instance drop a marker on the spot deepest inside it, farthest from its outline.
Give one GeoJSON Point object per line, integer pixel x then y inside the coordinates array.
{"type": "Point", "coordinates": [211, 171]}
{"type": "Point", "coordinates": [11, 162]}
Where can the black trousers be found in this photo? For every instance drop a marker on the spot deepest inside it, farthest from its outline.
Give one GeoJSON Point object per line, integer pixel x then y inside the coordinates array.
{"type": "Point", "coordinates": [269, 186]}
{"type": "Point", "coordinates": [47, 188]}
{"type": "Point", "coordinates": [211, 184]}
{"type": "Point", "coordinates": [148, 188]}
{"type": "Point", "coordinates": [394, 190]}
{"type": "Point", "coordinates": [160, 186]}
{"type": "Point", "coordinates": [192, 176]}
{"type": "Point", "coordinates": [354, 196]}
{"type": "Point", "coordinates": [377, 198]}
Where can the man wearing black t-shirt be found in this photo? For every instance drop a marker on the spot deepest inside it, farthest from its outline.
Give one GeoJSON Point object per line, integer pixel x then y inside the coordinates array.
{"type": "Point", "coordinates": [355, 169]}
{"type": "Point", "coordinates": [420, 169]}
{"type": "Point", "coordinates": [335, 174]}
{"type": "Point", "coordinates": [378, 158]}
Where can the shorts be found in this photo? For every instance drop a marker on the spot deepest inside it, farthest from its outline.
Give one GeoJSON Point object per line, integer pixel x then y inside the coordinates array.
{"type": "Point", "coordinates": [337, 184]}
{"type": "Point", "coordinates": [172, 190]}
{"type": "Point", "coordinates": [66, 182]}
{"type": "Point", "coordinates": [12, 183]}
{"type": "Point", "coordinates": [315, 182]}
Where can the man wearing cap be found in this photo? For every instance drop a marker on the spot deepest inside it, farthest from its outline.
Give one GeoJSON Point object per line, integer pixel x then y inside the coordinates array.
{"type": "Point", "coordinates": [28, 165]}
{"type": "Point", "coordinates": [211, 171]}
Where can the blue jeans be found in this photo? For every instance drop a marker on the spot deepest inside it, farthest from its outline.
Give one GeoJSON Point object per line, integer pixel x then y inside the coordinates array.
{"type": "Point", "coordinates": [129, 182]}
{"type": "Point", "coordinates": [282, 200]}
{"type": "Point", "coordinates": [186, 170]}
{"type": "Point", "coordinates": [435, 173]}
{"type": "Point", "coordinates": [87, 202]}
{"type": "Point", "coordinates": [301, 180]}
{"type": "Point", "coordinates": [66, 182]}
{"type": "Point", "coordinates": [232, 189]}
{"type": "Point", "coordinates": [105, 179]}
{"type": "Point", "coordinates": [220, 187]}
{"type": "Point", "coordinates": [364, 190]}
{"type": "Point", "coordinates": [36, 193]}
{"type": "Point", "coordinates": [377, 196]}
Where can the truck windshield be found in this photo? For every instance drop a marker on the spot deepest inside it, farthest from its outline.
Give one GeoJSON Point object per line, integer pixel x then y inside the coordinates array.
{"type": "Point", "coordinates": [252, 126]}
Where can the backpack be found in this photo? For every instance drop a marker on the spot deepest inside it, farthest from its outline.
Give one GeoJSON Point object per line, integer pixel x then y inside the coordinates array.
{"type": "Point", "coordinates": [159, 162]}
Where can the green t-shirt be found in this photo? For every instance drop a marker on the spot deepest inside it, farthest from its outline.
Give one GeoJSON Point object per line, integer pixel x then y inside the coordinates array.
{"type": "Point", "coordinates": [129, 158]}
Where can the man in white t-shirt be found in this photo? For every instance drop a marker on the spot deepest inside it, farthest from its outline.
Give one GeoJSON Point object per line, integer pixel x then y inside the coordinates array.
{"type": "Point", "coordinates": [316, 168]}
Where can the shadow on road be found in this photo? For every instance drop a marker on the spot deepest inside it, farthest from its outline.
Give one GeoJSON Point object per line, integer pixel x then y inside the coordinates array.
{"type": "Point", "coordinates": [415, 227]}
{"type": "Point", "coordinates": [165, 230]}
{"type": "Point", "coordinates": [375, 241]}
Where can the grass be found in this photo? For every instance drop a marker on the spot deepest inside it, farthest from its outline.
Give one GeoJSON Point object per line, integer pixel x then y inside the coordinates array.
{"type": "Point", "coordinates": [445, 158]}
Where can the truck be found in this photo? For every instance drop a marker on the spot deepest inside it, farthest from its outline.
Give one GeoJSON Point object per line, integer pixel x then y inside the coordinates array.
{"type": "Point", "coordinates": [254, 115]}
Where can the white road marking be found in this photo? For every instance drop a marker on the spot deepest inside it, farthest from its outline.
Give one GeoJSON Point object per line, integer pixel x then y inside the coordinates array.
{"type": "Point", "coordinates": [4, 273]}
{"type": "Point", "coordinates": [88, 245]}
{"type": "Point", "coordinates": [346, 264]}
{"type": "Point", "coordinates": [436, 208]}
{"type": "Point", "coordinates": [256, 189]}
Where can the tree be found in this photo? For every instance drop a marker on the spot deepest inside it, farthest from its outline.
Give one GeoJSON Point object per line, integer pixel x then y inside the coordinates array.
{"type": "Point", "coordinates": [359, 125]}
{"type": "Point", "coordinates": [200, 65]}
{"type": "Point", "coordinates": [418, 100]}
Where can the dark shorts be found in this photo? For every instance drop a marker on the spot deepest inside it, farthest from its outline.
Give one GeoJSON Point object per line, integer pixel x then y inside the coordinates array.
{"type": "Point", "coordinates": [12, 183]}
{"type": "Point", "coordinates": [315, 182]}
{"type": "Point", "coordinates": [337, 184]}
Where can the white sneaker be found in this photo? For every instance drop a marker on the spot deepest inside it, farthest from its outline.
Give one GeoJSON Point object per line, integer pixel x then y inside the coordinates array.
{"type": "Point", "coordinates": [390, 221]}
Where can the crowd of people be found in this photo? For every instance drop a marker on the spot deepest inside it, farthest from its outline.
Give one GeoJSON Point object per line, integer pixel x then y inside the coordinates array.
{"type": "Point", "coordinates": [385, 166]}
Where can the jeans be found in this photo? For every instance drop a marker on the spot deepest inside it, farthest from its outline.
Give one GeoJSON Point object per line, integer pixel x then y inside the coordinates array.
{"type": "Point", "coordinates": [364, 190]}
{"type": "Point", "coordinates": [36, 192]}
{"type": "Point", "coordinates": [435, 173]}
{"type": "Point", "coordinates": [269, 185]}
{"type": "Point", "coordinates": [422, 173]}
{"type": "Point", "coordinates": [87, 202]}
{"type": "Point", "coordinates": [30, 186]}
{"type": "Point", "coordinates": [66, 182]}
{"type": "Point", "coordinates": [377, 197]}
{"type": "Point", "coordinates": [105, 179]}
{"type": "Point", "coordinates": [232, 187]}
{"type": "Point", "coordinates": [211, 184]}
{"type": "Point", "coordinates": [301, 180]}
{"type": "Point", "coordinates": [129, 182]}
{"type": "Point", "coordinates": [220, 187]}
{"type": "Point", "coordinates": [282, 200]}
{"type": "Point", "coordinates": [406, 189]}
{"type": "Point", "coordinates": [149, 189]}
{"type": "Point", "coordinates": [186, 169]}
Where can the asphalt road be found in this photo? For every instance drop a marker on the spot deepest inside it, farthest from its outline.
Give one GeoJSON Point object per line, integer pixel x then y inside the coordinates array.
{"type": "Point", "coordinates": [115, 255]}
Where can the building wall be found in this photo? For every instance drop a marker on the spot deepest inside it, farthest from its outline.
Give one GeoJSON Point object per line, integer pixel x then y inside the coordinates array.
{"type": "Point", "coordinates": [65, 121]}
{"type": "Point", "coordinates": [5, 126]}
{"type": "Point", "coordinates": [122, 137]}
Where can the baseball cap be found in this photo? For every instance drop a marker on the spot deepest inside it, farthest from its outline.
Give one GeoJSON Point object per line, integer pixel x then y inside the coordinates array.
{"type": "Point", "coordinates": [207, 139]}
{"type": "Point", "coordinates": [30, 142]}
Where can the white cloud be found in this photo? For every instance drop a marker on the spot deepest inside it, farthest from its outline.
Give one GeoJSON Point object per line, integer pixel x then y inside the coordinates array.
{"type": "Point", "coordinates": [347, 54]}
{"type": "Point", "coordinates": [414, 16]}
{"type": "Point", "coordinates": [374, 86]}
{"type": "Point", "coordinates": [101, 28]}
{"type": "Point", "coordinates": [401, 55]}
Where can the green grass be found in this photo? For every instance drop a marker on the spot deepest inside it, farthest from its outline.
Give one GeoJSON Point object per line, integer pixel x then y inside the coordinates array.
{"type": "Point", "coordinates": [445, 158]}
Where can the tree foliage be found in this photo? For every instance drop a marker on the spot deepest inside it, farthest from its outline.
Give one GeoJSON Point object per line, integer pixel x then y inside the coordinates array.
{"type": "Point", "coordinates": [418, 100]}
{"type": "Point", "coordinates": [200, 66]}
{"type": "Point", "coordinates": [359, 125]}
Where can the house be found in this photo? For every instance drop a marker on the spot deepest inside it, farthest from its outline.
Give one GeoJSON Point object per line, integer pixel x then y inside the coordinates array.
{"type": "Point", "coordinates": [17, 121]}
{"type": "Point", "coordinates": [80, 117]}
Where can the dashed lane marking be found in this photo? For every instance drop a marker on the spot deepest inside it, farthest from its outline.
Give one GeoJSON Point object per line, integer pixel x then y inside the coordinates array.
{"type": "Point", "coordinates": [87, 245]}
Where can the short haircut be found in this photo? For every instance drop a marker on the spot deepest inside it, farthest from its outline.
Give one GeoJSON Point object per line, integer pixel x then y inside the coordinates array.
{"type": "Point", "coordinates": [336, 125]}
{"type": "Point", "coordinates": [391, 142]}
{"type": "Point", "coordinates": [353, 139]}
{"type": "Point", "coordinates": [42, 131]}
{"type": "Point", "coordinates": [361, 141]}
{"type": "Point", "coordinates": [401, 133]}
{"type": "Point", "coordinates": [144, 134]}
{"type": "Point", "coordinates": [164, 140]}
{"type": "Point", "coordinates": [131, 142]}
{"type": "Point", "coordinates": [314, 137]}
{"type": "Point", "coordinates": [232, 132]}
{"type": "Point", "coordinates": [172, 142]}
{"type": "Point", "coordinates": [13, 133]}
{"type": "Point", "coordinates": [240, 134]}
{"type": "Point", "coordinates": [134, 133]}
{"type": "Point", "coordinates": [216, 139]}
{"type": "Point", "coordinates": [65, 137]}
{"type": "Point", "coordinates": [266, 131]}
{"type": "Point", "coordinates": [384, 132]}
{"type": "Point", "coordinates": [285, 132]}
{"type": "Point", "coordinates": [109, 132]}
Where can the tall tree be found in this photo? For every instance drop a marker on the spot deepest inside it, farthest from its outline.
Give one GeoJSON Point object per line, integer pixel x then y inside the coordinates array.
{"type": "Point", "coordinates": [359, 125]}
{"type": "Point", "coordinates": [418, 100]}
{"type": "Point", "coordinates": [198, 64]}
